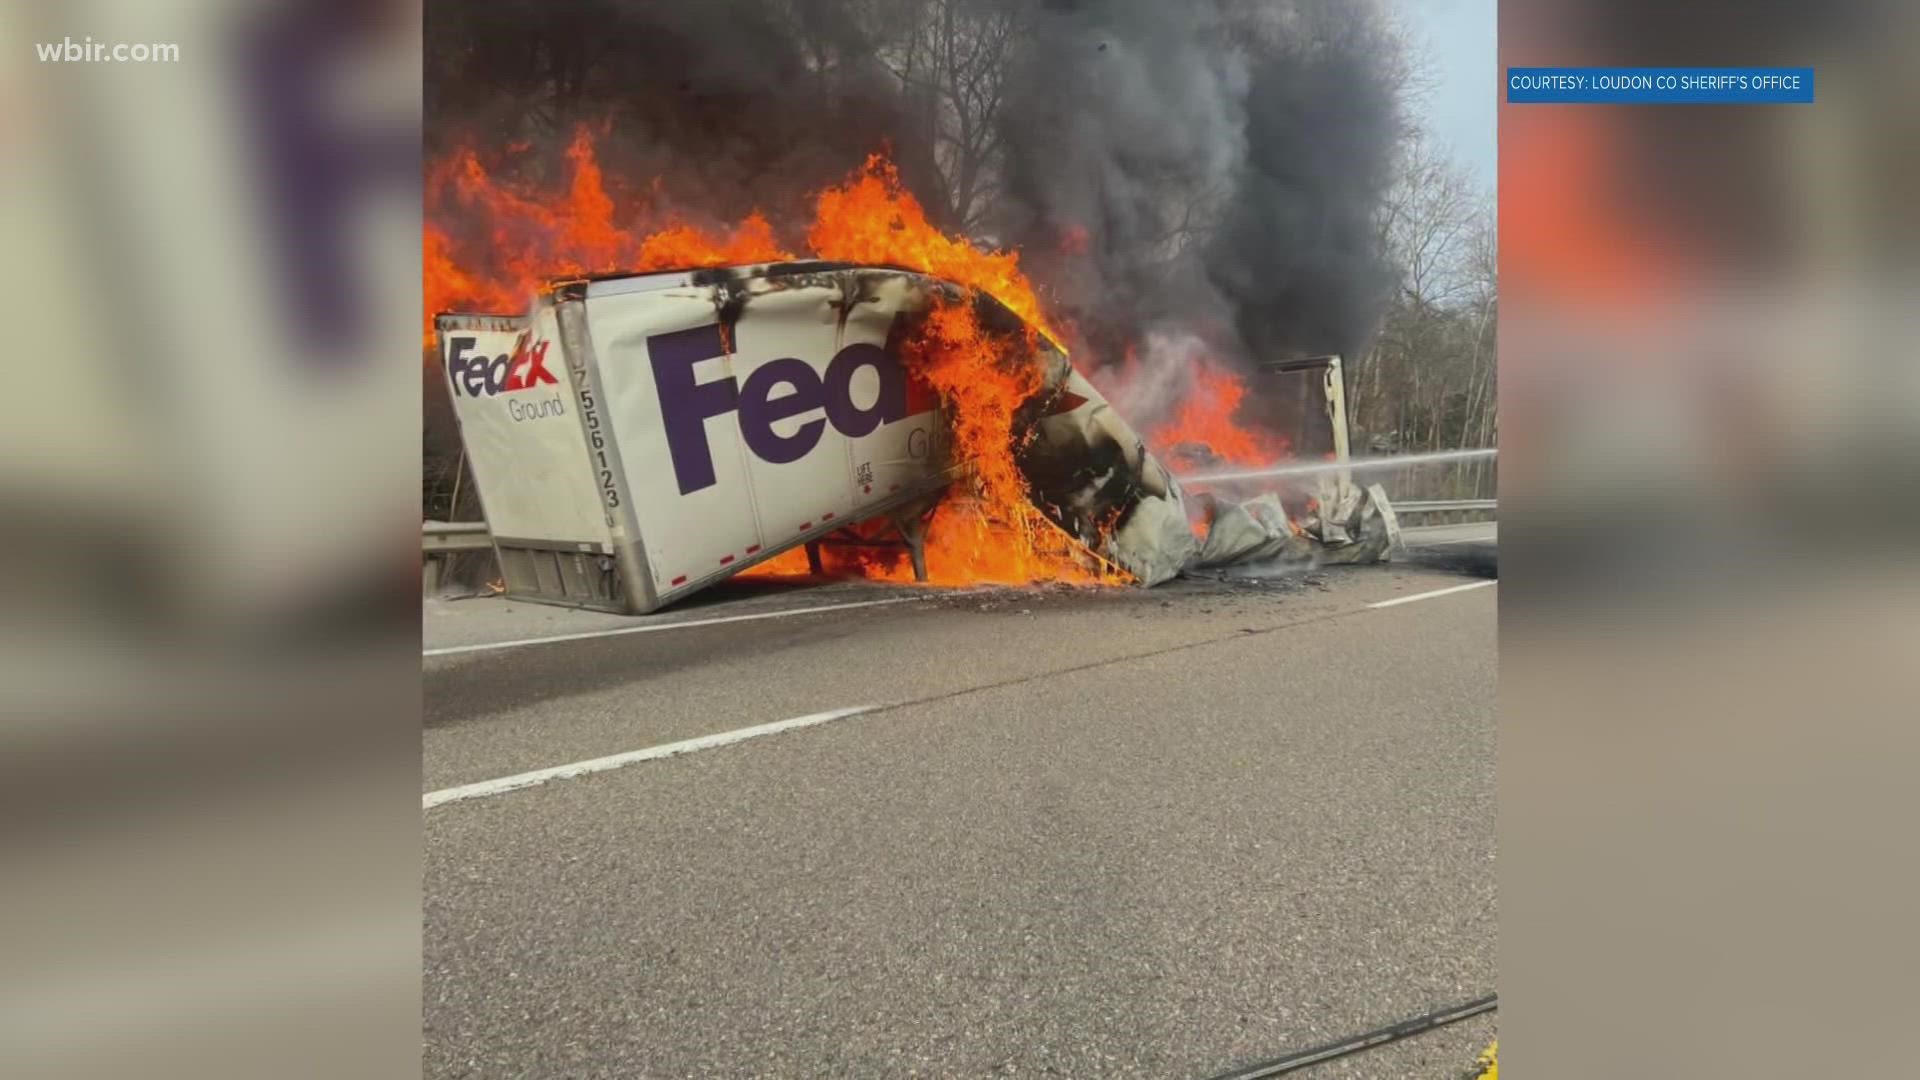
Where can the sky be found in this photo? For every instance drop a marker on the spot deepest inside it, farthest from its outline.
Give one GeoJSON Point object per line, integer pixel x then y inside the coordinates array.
{"type": "Point", "coordinates": [1454, 41]}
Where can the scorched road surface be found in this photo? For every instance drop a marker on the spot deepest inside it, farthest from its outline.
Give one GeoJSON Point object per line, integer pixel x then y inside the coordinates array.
{"type": "Point", "coordinates": [1109, 833]}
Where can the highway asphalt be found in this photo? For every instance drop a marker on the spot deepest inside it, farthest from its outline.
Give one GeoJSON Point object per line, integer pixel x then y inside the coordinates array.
{"type": "Point", "coordinates": [1076, 833]}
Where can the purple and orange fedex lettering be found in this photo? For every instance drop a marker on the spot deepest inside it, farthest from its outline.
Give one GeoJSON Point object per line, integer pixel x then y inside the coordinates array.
{"type": "Point", "coordinates": [481, 376]}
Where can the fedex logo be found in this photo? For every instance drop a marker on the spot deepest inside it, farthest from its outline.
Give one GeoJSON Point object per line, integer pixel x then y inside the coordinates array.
{"type": "Point", "coordinates": [477, 375]}
{"type": "Point", "coordinates": [686, 404]}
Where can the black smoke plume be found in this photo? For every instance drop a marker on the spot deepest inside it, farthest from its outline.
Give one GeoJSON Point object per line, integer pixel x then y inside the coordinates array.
{"type": "Point", "coordinates": [1226, 160]}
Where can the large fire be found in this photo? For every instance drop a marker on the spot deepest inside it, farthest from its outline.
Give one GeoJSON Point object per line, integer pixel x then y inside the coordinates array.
{"type": "Point", "coordinates": [999, 535]}
{"type": "Point", "coordinates": [872, 219]}
{"type": "Point", "coordinates": [489, 245]}
{"type": "Point", "coordinates": [512, 242]}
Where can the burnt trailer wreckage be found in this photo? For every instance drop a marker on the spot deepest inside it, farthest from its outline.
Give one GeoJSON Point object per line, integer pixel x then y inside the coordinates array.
{"type": "Point", "coordinates": [635, 439]}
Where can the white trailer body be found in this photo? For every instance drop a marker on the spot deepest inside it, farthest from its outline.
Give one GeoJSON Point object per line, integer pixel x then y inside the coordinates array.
{"type": "Point", "coordinates": [637, 438]}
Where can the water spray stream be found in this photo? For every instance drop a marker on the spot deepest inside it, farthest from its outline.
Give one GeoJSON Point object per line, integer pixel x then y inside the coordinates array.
{"type": "Point", "coordinates": [1356, 464]}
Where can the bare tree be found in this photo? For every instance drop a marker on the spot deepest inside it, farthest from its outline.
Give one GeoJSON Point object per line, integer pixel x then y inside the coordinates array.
{"type": "Point", "coordinates": [952, 60]}
{"type": "Point", "coordinates": [1429, 381]}
{"type": "Point", "coordinates": [1428, 224]}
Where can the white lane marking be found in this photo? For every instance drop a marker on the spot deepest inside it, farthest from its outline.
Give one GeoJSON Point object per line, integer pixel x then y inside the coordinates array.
{"type": "Point", "coordinates": [682, 624]}
{"type": "Point", "coordinates": [1434, 593]}
{"type": "Point", "coordinates": [616, 761]}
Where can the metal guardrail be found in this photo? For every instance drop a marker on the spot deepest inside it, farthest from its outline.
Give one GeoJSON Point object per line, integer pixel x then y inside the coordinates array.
{"type": "Point", "coordinates": [1443, 506]}
{"type": "Point", "coordinates": [440, 537]}
{"type": "Point", "coordinates": [1446, 511]}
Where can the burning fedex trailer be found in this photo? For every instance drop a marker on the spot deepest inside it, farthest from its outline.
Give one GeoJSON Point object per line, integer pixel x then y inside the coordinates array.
{"type": "Point", "coordinates": [635, 439]}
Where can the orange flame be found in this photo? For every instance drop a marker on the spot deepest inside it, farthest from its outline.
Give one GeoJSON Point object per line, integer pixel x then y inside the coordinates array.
{"type": "Point", "coordinates": [998, 535]}
{"type": "Point", "coordinates": [683, 245]}
{"type": "Point", "coordinates": [524, 241]}
{"type": "Point", "coordinates": [872, 219]}
{"type": "Point", "coordinates": [1207, 418]}
{"type": "Point", "coordinates": [790, 563]}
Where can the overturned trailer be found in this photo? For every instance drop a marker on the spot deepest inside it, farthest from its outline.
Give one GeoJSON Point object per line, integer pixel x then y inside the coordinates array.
{"type": "Point", "coordinates": [635, 439]}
